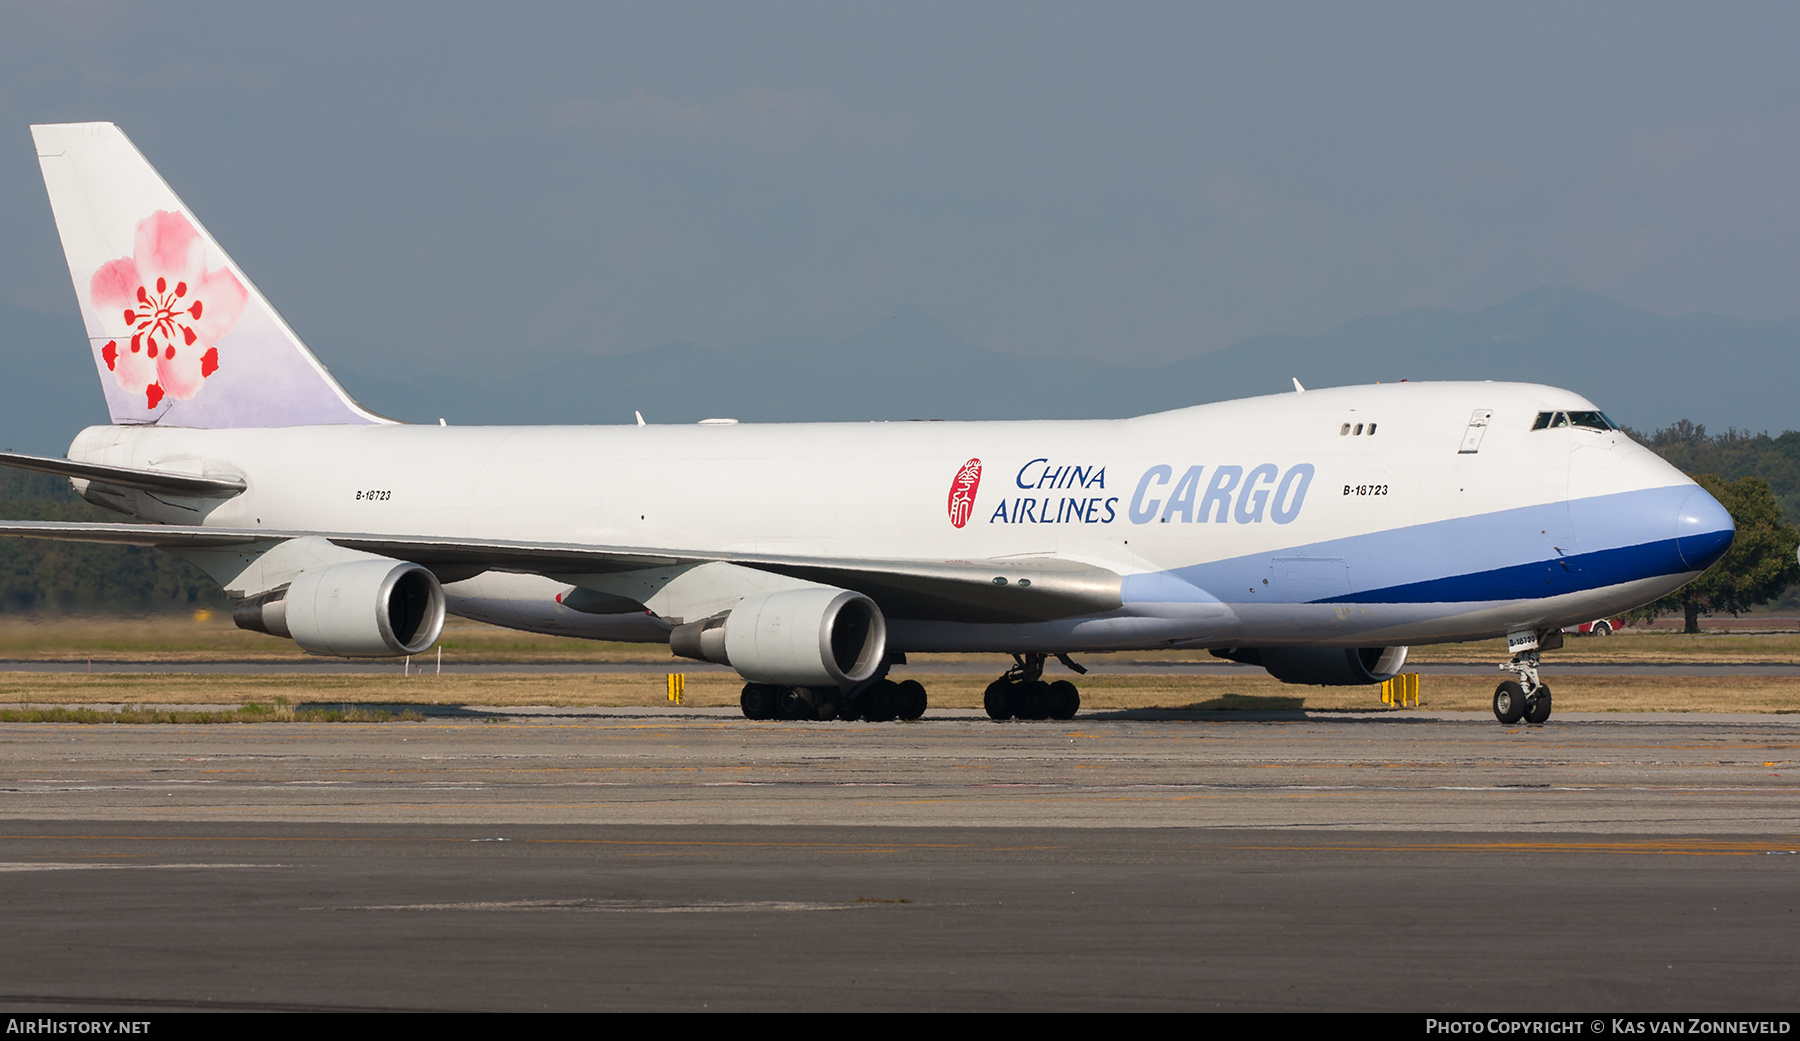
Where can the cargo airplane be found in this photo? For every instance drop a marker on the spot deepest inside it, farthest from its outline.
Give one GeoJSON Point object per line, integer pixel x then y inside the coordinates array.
{"type": "Point", "coordinates": [1316, 534]}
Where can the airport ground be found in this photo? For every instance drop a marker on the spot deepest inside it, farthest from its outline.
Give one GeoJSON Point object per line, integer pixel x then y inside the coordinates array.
{"type": "Point", "coordinates": [569, 840]}
{"type": "Point", "coordinates": [205, 635]}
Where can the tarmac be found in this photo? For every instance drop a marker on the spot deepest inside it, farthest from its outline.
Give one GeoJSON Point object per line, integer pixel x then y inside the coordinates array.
{"type": "Point", "coordinates": [678, 858]}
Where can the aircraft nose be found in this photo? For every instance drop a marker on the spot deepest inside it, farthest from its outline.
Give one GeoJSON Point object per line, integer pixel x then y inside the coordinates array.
{"type": "Point", "coordinates": [1703, 530]}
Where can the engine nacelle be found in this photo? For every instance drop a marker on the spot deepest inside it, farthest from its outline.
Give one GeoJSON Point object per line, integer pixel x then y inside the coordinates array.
{"type": "Point", "coordinates": [815, 637]}
{"type": "Point", "coordinates": [1324, 666]}
{"type": "Point", "coordinates": [357, 609]}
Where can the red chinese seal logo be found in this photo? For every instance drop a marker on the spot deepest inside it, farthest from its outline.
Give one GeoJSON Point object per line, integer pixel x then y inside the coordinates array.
{"type": "Point", "coordinates": [962, 492]}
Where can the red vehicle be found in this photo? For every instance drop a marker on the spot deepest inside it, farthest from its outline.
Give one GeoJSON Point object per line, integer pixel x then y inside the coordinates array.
{"type": "Point", "coordinates": [1597, 627]}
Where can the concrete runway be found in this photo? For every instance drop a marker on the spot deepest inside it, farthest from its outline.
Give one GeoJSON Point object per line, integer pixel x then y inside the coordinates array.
{"type": "Point", "coordinates": [680, 858]}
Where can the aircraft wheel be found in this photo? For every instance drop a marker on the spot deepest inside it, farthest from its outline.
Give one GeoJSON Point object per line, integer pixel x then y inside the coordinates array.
{"type": "Point", "coordinates": [759, 700]}
{"type": "Point", "coordinates": [1065, 699]}
{"type": "Point", "coordinates": [999, 699]}
{"type": "Point", "coordinates": [825, 704]}
{"type": "Point", "coordinates": [795, 703]}
{"type": "Point", "coordinates": [1509, 702]}
{"type": "Point", "coordinates": [911, 695]}
{"type": "Point", "coordinates": [1034, 700]}
{"type": "Point", "coordinates": [1539, 708]}
{"type": "Point", "coordinates": [881, 701]}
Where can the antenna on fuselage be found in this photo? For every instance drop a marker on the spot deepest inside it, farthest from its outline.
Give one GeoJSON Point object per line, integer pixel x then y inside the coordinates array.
{"type": "Point", "coordinates": [1298, 389]}
{"type": "Point", "coordinates": [640, 417]}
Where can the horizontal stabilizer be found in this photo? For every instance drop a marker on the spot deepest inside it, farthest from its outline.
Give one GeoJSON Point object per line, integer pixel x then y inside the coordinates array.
{"type": "Point", "coordinates": [126, 477]}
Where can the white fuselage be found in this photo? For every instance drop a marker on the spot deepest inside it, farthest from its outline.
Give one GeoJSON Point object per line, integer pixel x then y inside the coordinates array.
{"type": "Point", "coordinates": [1258, 521]}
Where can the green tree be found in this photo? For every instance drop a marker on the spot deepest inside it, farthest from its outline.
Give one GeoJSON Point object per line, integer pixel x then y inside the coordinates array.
{"type": "Point", "coordinates": [1734, 454]}
{"type": "Point", "coordinates": [1759, 567]}
{"type": "Point", "coordinates": [39, 574]}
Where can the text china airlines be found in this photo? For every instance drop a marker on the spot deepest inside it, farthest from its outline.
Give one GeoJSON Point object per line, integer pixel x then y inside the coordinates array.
{"type": "Point", "coordinates": [1199, 495]}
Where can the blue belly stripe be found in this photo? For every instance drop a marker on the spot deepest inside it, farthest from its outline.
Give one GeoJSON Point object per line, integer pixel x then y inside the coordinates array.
{"type": "Point", "coordinates": [1525, 553]}
{"type": "Point", "coordinates": [1542, 578]}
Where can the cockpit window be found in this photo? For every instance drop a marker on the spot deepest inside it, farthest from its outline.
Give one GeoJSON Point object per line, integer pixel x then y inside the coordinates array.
{"type": "Point", "coordinates": [1585, 420]}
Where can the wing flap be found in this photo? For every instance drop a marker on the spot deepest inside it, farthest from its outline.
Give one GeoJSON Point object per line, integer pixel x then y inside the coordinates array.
{"type": "Point", "coordinates": [162, 536]}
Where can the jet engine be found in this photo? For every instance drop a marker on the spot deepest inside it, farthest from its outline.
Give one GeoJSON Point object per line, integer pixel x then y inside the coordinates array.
{"type": "Point", "coordinates": [1323, 666]}
{"type": "Point", "coordinates": [360, 609]}
{"type": "Point", "coordinates": [813, 637]}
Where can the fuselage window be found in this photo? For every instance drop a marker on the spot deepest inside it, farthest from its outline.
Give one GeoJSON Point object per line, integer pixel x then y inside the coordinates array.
{"type": "Point", "coordinates": [1359, 429]}
{"type": "Point", "coordinates": [1345, 429]}
{"type": "Point", "coordinates": [1371, 430]}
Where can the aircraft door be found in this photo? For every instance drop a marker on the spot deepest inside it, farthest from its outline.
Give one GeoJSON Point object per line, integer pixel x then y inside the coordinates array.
{"type": "Point", "coordinates": [1478, 424]}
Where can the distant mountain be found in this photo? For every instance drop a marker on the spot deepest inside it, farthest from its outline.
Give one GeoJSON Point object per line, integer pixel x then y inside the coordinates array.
{"type": "Point", "coordinates": [1644, 370]}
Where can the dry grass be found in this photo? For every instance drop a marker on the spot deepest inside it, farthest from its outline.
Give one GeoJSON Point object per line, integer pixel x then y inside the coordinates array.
{"type": "Point", "coordinates": [211, 636]}
{"type": "Point", "coordinates": [1635, 646]}
{"type": "Point", "coordinates": [1239, 691]}
{"type": "Point", "coordinates": [207, 636]}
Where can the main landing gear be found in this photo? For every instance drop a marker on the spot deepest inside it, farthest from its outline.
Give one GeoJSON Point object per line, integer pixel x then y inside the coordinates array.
{"type": "Point", "coordinates": [880, 700]}
{"type": "Point", "coordinates": [1528, 698]}
{"type": "Point", "coordinates": [1022, 692]}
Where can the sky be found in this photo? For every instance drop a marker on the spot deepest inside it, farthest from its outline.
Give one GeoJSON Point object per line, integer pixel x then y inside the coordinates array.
{"type": "Point", "coordinates": [479, 188]}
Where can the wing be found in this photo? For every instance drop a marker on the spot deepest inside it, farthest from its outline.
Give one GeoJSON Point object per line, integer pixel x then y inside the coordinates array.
{"type": "Point", "coordinates": [1022, 589]}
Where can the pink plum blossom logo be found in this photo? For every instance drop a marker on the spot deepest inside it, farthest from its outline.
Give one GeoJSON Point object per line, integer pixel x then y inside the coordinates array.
{"type": "Point", "coordinates": [175, 311]}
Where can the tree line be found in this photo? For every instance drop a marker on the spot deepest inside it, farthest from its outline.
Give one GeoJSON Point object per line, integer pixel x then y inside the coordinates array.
{"type": "Point", "coordinates": [40, 575]}
{"type": "Point", "coordinates": [1755, 476]}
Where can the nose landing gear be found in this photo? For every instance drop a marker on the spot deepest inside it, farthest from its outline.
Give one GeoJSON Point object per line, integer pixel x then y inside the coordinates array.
{"type": "Point", "coordinates": [1528, 698]}
{"type": "Point", "coordinates": [1022, 692]}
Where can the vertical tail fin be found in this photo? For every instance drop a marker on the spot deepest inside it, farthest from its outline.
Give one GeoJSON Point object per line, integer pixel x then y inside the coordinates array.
{"type": "Point", "coordinates": [179, 335]}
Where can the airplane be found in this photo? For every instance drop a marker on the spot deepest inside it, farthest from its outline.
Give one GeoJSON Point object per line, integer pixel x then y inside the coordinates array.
{"type": "Point", "coordinates": [1315, 533]}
